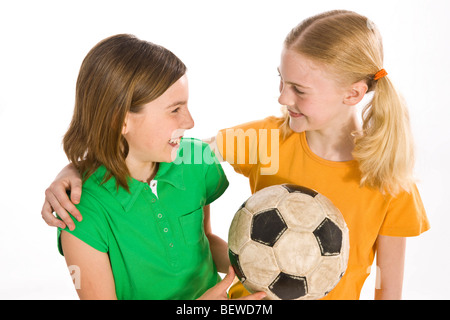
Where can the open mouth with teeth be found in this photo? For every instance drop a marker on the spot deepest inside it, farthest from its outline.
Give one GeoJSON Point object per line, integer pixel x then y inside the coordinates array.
{"type": "Point", "coordinates": [175, 142]}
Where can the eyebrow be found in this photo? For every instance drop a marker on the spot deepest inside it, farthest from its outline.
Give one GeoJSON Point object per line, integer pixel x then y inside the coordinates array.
{"type": "Point", "coordinates": [293, 83]}
{"type": "Point", "coordinates": [176, 104]}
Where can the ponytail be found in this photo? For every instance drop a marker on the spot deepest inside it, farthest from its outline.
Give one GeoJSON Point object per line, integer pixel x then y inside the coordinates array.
{"type": "Point", "coordinates": [385, 149]}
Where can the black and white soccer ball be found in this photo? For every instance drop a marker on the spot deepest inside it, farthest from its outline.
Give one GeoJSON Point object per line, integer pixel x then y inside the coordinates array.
{"type": "Point", "coordinates": [290, 242]}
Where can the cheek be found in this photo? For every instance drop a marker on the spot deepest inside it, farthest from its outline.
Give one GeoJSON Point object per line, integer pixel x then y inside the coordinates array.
{"type": "Point", "coordinates": [306, 105]}
{"type": "Point", "coordinates": [146, 136]}
{"type": "Point", "coordinates": [315, 105]}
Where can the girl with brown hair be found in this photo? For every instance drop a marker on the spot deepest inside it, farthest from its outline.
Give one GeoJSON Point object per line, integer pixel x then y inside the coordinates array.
{"type": "Point", "coordinates": [135, 241]}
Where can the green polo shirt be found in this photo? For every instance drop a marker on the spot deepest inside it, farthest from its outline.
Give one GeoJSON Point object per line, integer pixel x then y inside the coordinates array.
{"type": "Point", "coordinates": [154, 235]}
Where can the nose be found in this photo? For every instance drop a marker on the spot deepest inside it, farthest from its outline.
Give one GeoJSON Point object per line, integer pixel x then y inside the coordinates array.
{"type": "Point", "coordinates": [285, 98]}
{"type": "Point", "coordinates": [187, 121]}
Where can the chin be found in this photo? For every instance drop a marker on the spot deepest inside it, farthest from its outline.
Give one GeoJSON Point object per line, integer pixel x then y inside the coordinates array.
{"type": "Point", "coordinates": [173, 154]}
{"type": "Point", "coordinates": [296, 127]}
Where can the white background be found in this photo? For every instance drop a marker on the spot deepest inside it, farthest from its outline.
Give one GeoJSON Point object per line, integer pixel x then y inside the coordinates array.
{"type": "Point", "coordinates": [232, 51]}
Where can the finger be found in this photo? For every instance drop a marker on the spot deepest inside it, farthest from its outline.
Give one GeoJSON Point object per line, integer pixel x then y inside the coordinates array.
{"type": "Point", "coordinates": [70, 207]}
{"type": "Point", "coordinates": [255, 296]}
{"type": "Point", "coordinates": [75, 191]}
{"type": "Point", "coordinates": [60, 211]}
{"type": "Point", "coordinates": [49, 218]}
{"type": "Point", "coordinates": [229, 278]}
{"type": "Point", "coordinates": [227, 281]}
{"type": "Point", "coordinates": [61, 199]}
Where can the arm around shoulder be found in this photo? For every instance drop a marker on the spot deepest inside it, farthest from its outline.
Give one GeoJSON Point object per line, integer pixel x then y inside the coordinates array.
{"type": "Point", "coordinates": [57, 199]}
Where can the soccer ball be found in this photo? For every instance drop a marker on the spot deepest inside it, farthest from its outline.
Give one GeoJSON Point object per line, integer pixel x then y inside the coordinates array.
{"type": "Point", "coordinates": [290, 242]}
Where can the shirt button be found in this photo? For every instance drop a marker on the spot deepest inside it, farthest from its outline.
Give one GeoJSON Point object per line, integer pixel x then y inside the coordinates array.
{"type": "Point", "coordinates": [153, 200]}
{"type": "Point", "coordinates": [166, 230]}
{"type": "Point", "coordinates": [171, 245]}
{"type": "Point", "coordinates": [159, 215]}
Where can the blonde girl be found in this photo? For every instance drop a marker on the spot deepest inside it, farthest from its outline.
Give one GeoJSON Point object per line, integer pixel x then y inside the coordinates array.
{"type": "Point", "coordinates": [329, 63]}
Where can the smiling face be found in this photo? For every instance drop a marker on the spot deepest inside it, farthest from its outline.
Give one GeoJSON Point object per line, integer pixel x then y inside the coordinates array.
{"type": "Point", "coordinates": [313, 98]}
{"type": "Point", "coordinates": [153, 133]}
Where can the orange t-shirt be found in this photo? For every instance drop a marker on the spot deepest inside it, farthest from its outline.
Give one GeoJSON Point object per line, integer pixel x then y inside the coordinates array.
{"type": "Point", "coordinates": [256, 150]}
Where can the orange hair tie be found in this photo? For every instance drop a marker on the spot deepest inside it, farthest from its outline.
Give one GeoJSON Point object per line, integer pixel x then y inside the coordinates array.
{"type": "Point", "coordinates": [380, 74]}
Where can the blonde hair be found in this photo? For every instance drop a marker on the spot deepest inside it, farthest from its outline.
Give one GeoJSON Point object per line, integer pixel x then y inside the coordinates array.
{"type": "Point", "coordinates": [351, 47]}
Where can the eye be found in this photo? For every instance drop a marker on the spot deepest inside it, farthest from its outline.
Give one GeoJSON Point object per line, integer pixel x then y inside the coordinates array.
{"type": "Point", "coordinates": [297, 91]}
{"type": "Point", "coordinates": [176, 110]}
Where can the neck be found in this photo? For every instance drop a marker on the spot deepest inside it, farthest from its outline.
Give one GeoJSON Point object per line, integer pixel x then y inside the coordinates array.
{"type": "Point", "coordinates": [142, 171]}
{"type": "Point", "coordinates": [334, 144]}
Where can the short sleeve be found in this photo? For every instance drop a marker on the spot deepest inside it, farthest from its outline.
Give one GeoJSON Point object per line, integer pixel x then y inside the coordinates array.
{"type": "Point", "coordinates": [406, 216]}
{"type": "Point", "coordinates": [93, 228]}
{"type": "Point", "coordinates": [239, 145]}
{"type": "Point", "coordinates": [216, 181]}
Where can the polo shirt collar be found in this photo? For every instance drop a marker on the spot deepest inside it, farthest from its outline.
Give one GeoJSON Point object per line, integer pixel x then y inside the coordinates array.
{"type": "Point", "coordinates": [171, 173]}
{"type": "Point", "coordinates": [167, 172]}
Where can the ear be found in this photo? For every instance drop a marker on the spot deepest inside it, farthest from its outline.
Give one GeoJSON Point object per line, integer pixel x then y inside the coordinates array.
{"type": "Point", "coordinates": [355, 93]}
{"type": "Point", "coordinates": [125, 124]}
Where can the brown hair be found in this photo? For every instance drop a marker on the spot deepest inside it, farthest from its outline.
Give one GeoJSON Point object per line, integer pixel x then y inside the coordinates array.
{"type": "Point", "coordinates": [350, 46]}
{"type": "Point", "coordinates": [119, 75]}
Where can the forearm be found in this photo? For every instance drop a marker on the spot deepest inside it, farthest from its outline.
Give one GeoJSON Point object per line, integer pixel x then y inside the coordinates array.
{"type": "Point", "coordinates": [219, 251]}
{"type": "Point", "coordinates": [218, 247]}
{"type": "Point", "coordinates": [383, 294]}
{"type": "Point", "coordinates": [390, 267]}
{"type": "Point", "coordinates": [389, 284]}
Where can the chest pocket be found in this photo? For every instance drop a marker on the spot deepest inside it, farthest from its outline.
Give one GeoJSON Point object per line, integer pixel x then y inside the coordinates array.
{"type": "Point", "coordinates": [192, 226]}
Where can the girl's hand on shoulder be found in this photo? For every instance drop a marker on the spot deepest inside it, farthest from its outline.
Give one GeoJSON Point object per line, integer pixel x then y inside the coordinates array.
{"type": "Point", "coordinates": [57, 199]}
{"type": "Point", "coordinates": [219, 291]}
